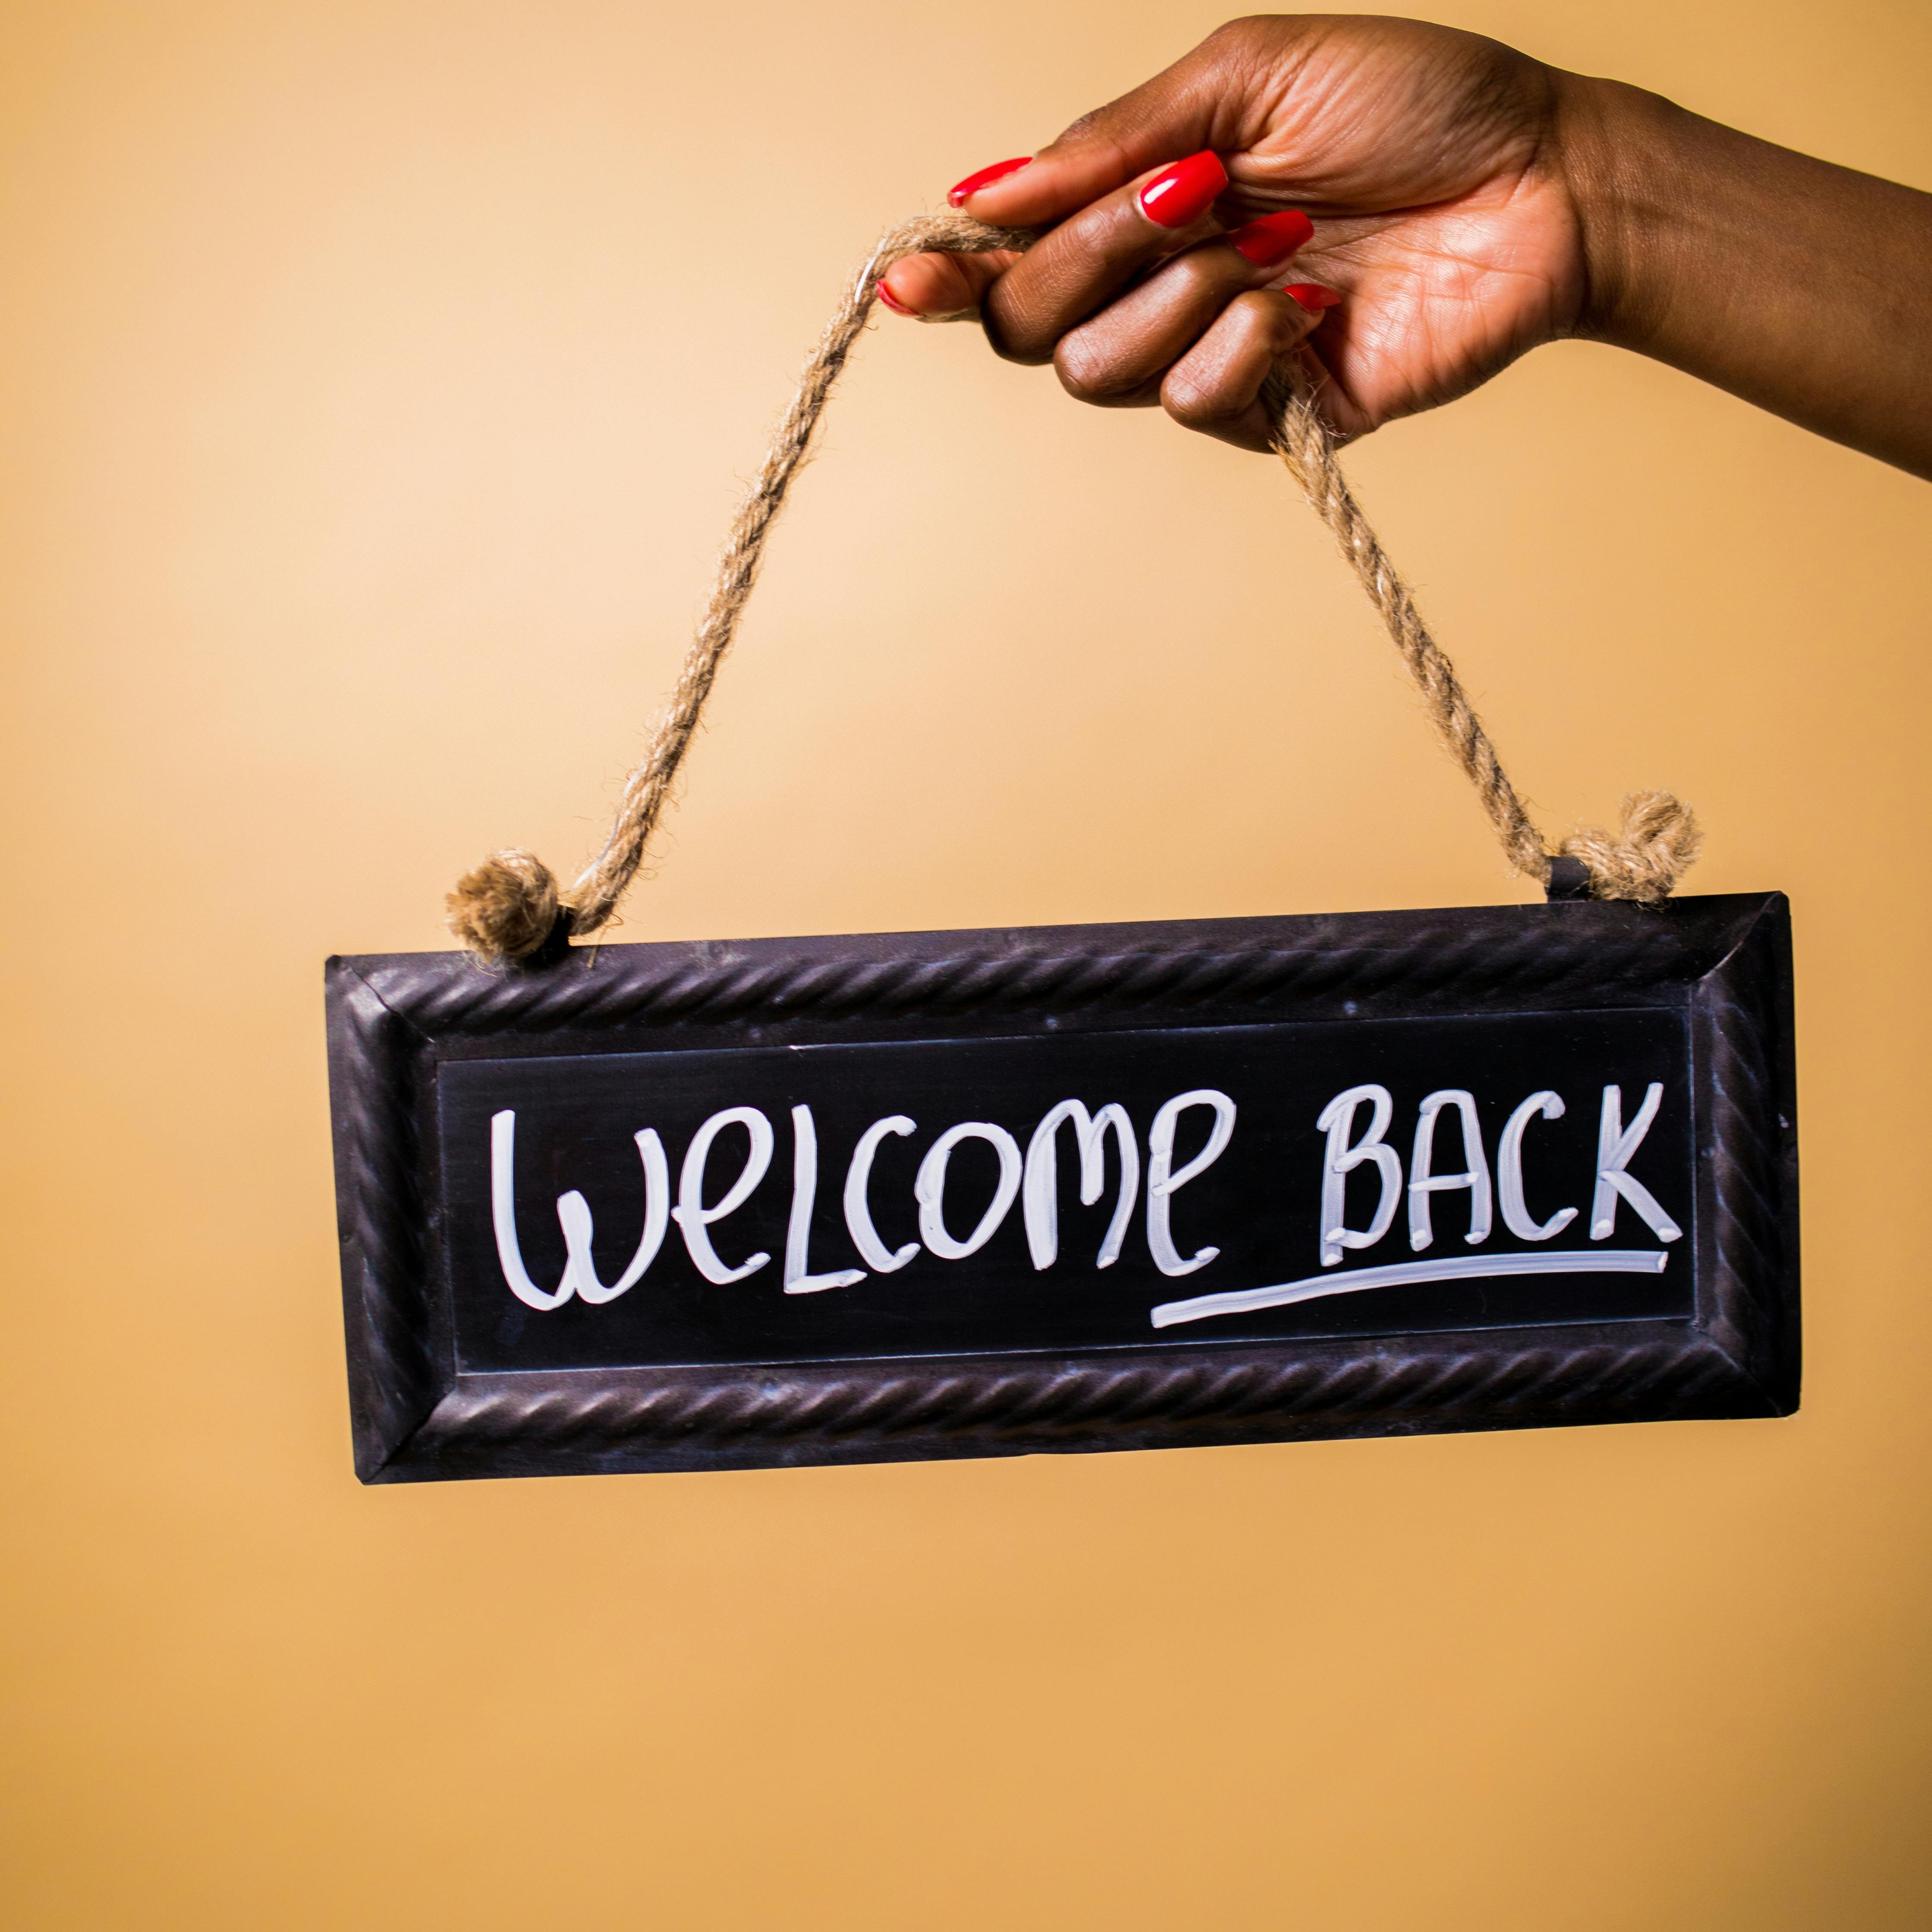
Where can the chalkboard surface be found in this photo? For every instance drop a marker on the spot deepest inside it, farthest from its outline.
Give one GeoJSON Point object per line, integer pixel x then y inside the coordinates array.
{"type": "Point", "coordinates": [665, 1206]}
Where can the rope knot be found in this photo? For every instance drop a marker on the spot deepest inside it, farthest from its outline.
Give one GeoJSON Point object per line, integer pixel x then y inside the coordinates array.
{"type": "Point", "coordinates": [506, 908]}
{"type": "Point", "coordinates": [1656, 845]}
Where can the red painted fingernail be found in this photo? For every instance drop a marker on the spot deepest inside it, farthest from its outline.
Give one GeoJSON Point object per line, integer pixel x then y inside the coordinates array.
{"type": "Point", "coordinates": [892, 302]}
{"type": "Point", "coordinates": [1313, 295]}
{"type": "Point", "coordinates": [986, 178]}
{"type": "Point", "coordinates": [1184, 192]}
{"type": "Point", "coordinates": [1273, 238]}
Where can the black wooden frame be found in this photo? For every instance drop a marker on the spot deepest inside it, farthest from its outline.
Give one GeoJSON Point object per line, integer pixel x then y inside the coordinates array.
{"type": "Point", "coordinates": [393, 1018]}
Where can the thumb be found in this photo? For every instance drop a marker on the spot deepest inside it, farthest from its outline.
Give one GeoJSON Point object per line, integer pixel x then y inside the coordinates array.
{"type": "Point", "coordinates": [1210, 99]}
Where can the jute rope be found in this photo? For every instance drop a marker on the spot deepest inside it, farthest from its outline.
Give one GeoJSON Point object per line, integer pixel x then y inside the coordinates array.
{"type": "Point", "coordinates": [1660, 834]}
{"type": "Point", "coordinates": [510, 906]}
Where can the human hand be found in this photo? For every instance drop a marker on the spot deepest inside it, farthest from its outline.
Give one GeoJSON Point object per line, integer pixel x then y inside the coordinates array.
{"type": "Point", "coordinates": [1446, 238]}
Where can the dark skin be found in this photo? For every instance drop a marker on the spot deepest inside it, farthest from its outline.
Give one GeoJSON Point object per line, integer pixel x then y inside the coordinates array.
{"type": "Point", "coordinates": [1469, 203]}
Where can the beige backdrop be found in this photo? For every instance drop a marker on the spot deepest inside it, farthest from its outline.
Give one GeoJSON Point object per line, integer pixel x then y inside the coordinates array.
{"type": "Point", "coordinates": [377, 378]}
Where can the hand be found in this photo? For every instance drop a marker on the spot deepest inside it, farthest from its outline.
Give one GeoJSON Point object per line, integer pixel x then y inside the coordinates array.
{"type": "Point", "coordinates": [1468, 203]}
{"type": "Point", "coordinates": [1446, 239]}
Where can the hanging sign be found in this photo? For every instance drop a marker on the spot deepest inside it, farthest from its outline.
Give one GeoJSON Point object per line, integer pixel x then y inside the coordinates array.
{"type": "Point", "coordinates": [716, 1206]}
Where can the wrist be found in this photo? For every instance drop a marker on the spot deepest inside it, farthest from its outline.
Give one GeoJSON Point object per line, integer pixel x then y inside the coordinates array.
{"type": "Point", "coordinates": [1706, 249]}
{"type": "Point", "coordinates": [1614, 142]}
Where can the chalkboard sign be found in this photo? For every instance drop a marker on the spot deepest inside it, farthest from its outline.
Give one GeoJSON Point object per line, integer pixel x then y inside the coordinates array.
{"type": "Point", "coordinates": [728, 1205]}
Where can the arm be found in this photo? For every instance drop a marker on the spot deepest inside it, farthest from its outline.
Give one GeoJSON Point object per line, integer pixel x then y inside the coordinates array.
{"type": "Point", "coordinates": [1804, 288]}
{"type": "Point", "coordinates": [1467, 203]}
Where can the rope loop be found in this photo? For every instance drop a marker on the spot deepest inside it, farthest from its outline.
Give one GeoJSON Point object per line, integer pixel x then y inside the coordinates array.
{"type": "Point", "coordinates": [510, 906]}
{"type": "Point", "coordinates": [1657, 844]}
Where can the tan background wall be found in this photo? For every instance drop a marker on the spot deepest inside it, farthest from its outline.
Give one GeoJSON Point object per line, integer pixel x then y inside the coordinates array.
{"type": "Point", "coordinates": [376, 378]}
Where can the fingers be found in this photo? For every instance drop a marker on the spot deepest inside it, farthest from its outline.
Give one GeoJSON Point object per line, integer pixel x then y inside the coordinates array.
{"type": "Point", "coordinates": [1216, 386]}
{"type": "Point", "coordinates": [1215, 98]}
{"type": "Point", "coordinates": [940, 288]}
{"type": "Point", "coordinates": [1119, 356]}
{"type": "Point", "coordinates": [1093, 158]}
{"type": "Point", "coordinates": [1028, 301]}
{"type": "Point", "coordinates": [1134, 292]}
{"type": "Point", "coordinates": [1196, 335]}
{"type": "Point", "coordinates": [1080, 266]}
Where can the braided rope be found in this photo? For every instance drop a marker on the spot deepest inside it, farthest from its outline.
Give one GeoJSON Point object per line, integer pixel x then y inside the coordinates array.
{"type": "Point", "coordinates": [1305, 446]}
{"type": "Point", "coordinates": [510, 906]}
{"type": "Point", "coordinates": [1659, 836]}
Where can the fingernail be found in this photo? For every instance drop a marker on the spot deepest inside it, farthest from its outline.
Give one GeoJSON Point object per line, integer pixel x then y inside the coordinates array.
{"type": "Point", "coordinates": [892, 302]}
{"type": "Point", "coordinates": [1184, 192]}
{"type": "Point", "coordinates": [986, 178]}
{"type": "Point", "coordinates": [1313, 295]}
{"type": "Point", "coordinates": [1273, 238]}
